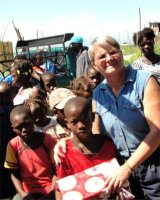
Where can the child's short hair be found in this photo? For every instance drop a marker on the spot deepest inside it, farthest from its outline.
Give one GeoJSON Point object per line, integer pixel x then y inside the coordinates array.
{"type": "Point", "coordinates": [36, 100]}
{"type": "Point", "coordinates": [77, 86]}
{"type": "Point", "coordinates": [48, 75]}
{"type": "Point", "coordinates": [76, 101]}
{"type": "Point", "coordinates": [18, 110]}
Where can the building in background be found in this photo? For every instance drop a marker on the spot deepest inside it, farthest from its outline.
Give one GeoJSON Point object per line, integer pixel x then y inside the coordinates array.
{"type": "Point", "coordinates": [156, 27]}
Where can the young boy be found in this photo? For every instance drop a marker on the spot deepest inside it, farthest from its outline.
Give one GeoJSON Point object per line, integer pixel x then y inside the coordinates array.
{"type": "Point", "coordinates": [48, 82]}
{"type": "Point", "coordinates": [23, 85]}
{"type": "Point", "coordinates": [42, 122]}
{"type": "Point", "coordinates": [57, 101]}
{"type": "Point", "coordinates": [94, 76]}
{"type": "Point", "coordinates": [85, 149]}
{"type": "Point", "coordinates": [47, 85]}
{"type": "Point", "coordinates": [28, 157]}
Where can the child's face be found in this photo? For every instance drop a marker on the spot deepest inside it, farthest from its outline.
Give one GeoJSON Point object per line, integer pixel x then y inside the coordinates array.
{"type": "Point", "coordinates": [23, 126]}
{"type": "Point", "coordinates": [49, 84]}
{"type": "Point", "coordinates": [79, 121]}
{"type": "Point", "coordinates": [86, 91]}
{"type": "Point", "coordinates": [94, 77]}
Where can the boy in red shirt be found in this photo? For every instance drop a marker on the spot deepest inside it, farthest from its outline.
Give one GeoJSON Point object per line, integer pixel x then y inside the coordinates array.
{"type": "Point", "coordinates": [29, 156]}
{"type": "Point", "coordinates": [85, 149]}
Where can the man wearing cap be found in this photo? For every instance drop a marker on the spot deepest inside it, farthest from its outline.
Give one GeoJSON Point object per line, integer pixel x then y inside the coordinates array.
{"type": "Point", "coordinates": [78, 56]}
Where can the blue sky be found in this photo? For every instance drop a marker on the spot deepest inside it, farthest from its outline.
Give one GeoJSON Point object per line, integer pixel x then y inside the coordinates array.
{"type": "Point", "coordinates": [88, 18]}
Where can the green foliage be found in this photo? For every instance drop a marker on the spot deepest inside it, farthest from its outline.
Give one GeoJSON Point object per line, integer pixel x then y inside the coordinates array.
{"type": "Point", "coordinates": [157, 47]}
{"type": "Point", "coordinates": [128, 49]}
{"type": "Point", "coordinates": [130, 53]}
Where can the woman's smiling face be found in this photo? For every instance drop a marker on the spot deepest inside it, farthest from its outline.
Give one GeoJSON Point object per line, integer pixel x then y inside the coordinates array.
{"type": "Point", "coordinates": [107, 60]}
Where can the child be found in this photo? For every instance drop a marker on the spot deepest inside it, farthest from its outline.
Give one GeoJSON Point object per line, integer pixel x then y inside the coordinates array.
{"type": "Point", "coordinates": [43, 122]}
{"type": "Point", "coordinates": [81, 87]}
{"type": "Point", "coordinates": [57, 101]}
{"type": "Point", "coordinates": [22, 82]}
{"type": "Point", "coordinates": [37, 61]}
{"type": "Point", "coordinates": [48, 82]}
{"type": "Point", "coordinates": [21, 71]}
{"type": "Point", "coordinates": [47, 85]}
{"type": "Point", "coordinates": [85, 149]}
{"type": "Point", "coordinates": [94, 76]}
{"type": "Point", "coordinates": [17, 59]}
{"type": "Point", "coordinates": [40, 66]}
{"type": "Point", "coordinates": [28, 157]}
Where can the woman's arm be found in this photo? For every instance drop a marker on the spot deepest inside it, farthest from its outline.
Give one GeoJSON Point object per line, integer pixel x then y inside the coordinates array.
{"type": "Point", "coordinates": [151, 103]}
{"type": "Point", "coordinates": [150, 143]}
{"type": "Point", "coordinates": [96, 121]}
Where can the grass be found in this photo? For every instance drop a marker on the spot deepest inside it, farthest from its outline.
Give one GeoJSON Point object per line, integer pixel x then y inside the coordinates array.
{"type": "Point", "coordinates": [128, 49]}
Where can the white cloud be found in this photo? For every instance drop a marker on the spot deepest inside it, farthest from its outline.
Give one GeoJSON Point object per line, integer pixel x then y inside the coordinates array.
{"type": "Point", "coordinates": [85, 25]}
{"type": "Point", "coordinates": [154, 17]}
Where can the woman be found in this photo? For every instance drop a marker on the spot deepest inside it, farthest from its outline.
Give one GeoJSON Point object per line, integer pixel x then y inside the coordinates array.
{"type": "Point", "coordinates": [127, 105]}
{"type": "Point", "coordinates": [149, 61]}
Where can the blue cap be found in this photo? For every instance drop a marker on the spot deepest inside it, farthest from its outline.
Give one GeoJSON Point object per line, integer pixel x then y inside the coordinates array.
{"type": "Point", "coordinates": [76, 39]}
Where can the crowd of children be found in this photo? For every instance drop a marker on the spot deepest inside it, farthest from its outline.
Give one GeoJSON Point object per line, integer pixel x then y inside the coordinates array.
{"type": "Point", "coordinates": [32, 120]}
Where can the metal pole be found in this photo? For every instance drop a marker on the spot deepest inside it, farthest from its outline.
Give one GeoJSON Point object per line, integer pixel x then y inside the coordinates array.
{"type": "Point", "coordinates": [139, 19]}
